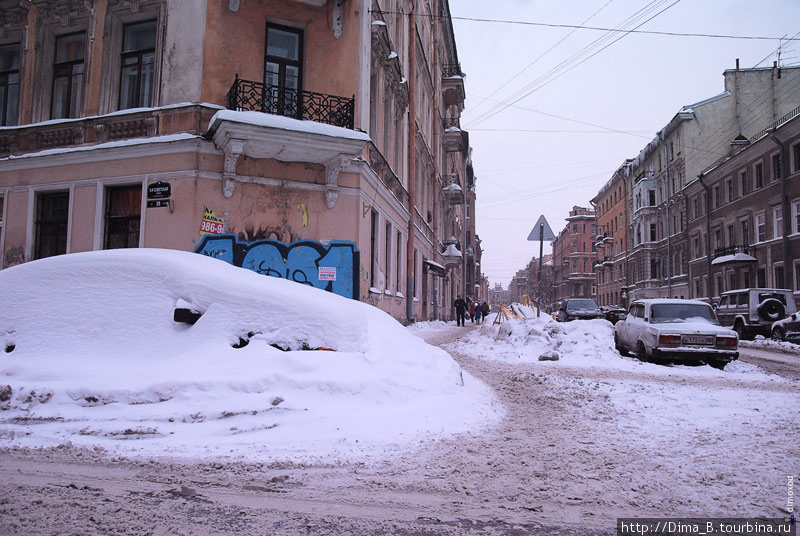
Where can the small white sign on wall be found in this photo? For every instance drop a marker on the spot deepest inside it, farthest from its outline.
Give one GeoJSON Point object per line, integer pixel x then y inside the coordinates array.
{"type": "Point", "coordinates": [327, 273]}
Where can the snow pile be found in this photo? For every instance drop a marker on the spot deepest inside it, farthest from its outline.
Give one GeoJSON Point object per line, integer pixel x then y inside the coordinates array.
{"type": "Point", "coordinates": [761, 343]}
{"type": "Point", "coordinates": [271, 370]}
{"type": "Point", "coordinates": [581, 343]}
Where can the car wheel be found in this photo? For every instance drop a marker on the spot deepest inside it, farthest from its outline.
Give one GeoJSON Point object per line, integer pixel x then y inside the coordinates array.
{"type": "Point", "coordinates": [720, 365]}
{"type": "Point", "coordinates": [738, 327]}
{"type": "Point", "coordinates": [641, 351]}
{"type": "Point", "coordinates": [778, 333]}
{"type": "Point", "coordinates": [618, 345]}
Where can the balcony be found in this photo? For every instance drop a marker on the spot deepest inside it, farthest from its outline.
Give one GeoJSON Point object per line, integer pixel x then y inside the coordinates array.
{"type": "Point", "coordinates": [453, 85]}
{"type": "Point", "coordinates": [454, 138]}
{"type": "Point", "coordinates": [452, 189]}
{"type": "Point", "coordinates": [246, 95]}
{"type": "Point", "coordinates": [734, 254]}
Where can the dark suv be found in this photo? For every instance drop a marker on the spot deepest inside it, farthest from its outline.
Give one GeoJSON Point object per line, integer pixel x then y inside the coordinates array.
{"type": "Point", "coordinates": [752, 311]}
{"type": "Point", "coordinates": [578, 309]}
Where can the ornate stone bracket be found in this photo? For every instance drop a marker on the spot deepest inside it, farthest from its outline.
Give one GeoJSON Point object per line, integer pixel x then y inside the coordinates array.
{"type": "Point", "coordinates": [233, 150]}
{"type": "Point", "coordinates": [332, 169]}
{"type": "Point", "coordinates": [338, 16]}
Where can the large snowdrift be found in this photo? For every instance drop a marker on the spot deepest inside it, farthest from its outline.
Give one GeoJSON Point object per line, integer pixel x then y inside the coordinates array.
{"type": "Point", "coordinates": [93, 357]}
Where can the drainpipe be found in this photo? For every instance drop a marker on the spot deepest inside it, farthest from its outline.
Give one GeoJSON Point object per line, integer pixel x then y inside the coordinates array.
{"type": "Point", "coordinates": [787, 220]}
{"type": "Point", "coordinates": [412, 136]}
{"type": "Point", "coordinates": [669, 232]}
{"type": "Point", "coordinates": [707, 189]}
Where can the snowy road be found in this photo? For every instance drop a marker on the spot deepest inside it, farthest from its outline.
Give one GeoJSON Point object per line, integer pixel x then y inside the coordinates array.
{"type": "Point", "coordinates": [578, 448]}
{"type": "Point", "coordinates": [786, 365]}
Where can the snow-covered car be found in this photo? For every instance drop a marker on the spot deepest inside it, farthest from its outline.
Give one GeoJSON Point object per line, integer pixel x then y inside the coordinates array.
{"type": "Point", "coordinates": [684, 331]}
{"type": "Point", "coordinates": [578, 309]}
{"type": "Point", "coordinates": [787, 329]}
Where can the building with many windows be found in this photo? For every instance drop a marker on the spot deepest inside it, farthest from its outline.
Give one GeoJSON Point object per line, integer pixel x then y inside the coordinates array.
{"type": "Point", "coordinates": [574, 254]}
{"type": "Point", "coordinates": [613, 216]}
{"type": "Point", "coordinates": [161, 123]}
{"type": "Point", "coordinates": [742, 238]}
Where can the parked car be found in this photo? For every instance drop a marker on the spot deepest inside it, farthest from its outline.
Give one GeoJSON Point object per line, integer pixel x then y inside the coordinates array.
{"type": "Point", "coordinates": [684, 331]}
{"type": "Point", "coordinates": [612, 313]}
{"type": "Point", "coordinates": [787, 329]}
{"type": "Point", "coordinates": [753, 311]}
{"type": "Point", "coordinates": [578, 309]}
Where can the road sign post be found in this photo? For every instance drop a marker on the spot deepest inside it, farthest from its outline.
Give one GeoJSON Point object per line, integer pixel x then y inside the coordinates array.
{"type": "Point", "coordinates": [541, 231]}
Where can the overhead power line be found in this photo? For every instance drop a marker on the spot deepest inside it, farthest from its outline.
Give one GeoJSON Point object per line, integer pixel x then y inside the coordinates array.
{"type": "Point", "coordinates": [603, 29]}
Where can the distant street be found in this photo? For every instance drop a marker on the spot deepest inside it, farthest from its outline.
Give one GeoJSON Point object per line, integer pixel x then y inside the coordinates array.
{"type": "Point", "coordinates": [786, 365]}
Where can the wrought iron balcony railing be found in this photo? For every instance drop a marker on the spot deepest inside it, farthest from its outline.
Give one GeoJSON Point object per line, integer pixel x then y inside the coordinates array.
{"type": "Point", "coordinates": [733, 250]}
{"type": "Point", "coordinates": [246, 95]}
{"type": "Point", "coordinates": [449, 122]}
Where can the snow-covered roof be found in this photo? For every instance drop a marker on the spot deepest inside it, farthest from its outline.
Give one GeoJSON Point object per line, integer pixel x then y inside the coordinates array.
{"type": "Point", "coordinates": [261, 119]}
{"type": "Point", "coordinates": [108, 145]}
{"type": "Point", "coordinates": [736, 257]}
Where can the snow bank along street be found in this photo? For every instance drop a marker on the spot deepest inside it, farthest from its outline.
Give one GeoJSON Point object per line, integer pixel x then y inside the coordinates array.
{"type": "Point", "coordinates": [271, 369]}
{"type": "Point", "coordinates": [117, 420]}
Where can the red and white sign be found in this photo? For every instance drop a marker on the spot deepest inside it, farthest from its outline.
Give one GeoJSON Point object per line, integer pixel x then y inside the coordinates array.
{"type": "Point", "coordinates": [327, 273]}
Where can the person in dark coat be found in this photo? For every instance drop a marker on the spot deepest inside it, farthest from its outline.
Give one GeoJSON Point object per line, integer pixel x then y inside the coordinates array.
{"type": "Point", "coordinates": [485, 310]}
{"type": "Point", "coordinates": [461, 308]}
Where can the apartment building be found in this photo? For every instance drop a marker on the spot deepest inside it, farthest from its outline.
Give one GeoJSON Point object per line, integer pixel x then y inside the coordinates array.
{"type": "Point", "coordinates": [574, 254]}
{"type": "Point", "coordinates": [612, 204]}
{"type": "Point", "coordinates": [744, 215]}
{"type": "Point", "coordinates": [696, 137]}
{"type": "Point", "coordinates": [327, 128]}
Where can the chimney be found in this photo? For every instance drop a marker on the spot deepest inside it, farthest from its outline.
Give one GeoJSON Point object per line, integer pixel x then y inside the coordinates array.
{"type": "Point", "coordinates": [739, 144]}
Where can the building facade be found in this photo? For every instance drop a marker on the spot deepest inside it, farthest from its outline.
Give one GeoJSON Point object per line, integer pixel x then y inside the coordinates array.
{"type": "Point", "coordinates": [574, 254]}
{"type": "Point", "coordinates": [612, 205]}
{"type": "Point", "coordinates": [744, 216]}
{"type": "Point", "coordinates": [156, 123]}
{"type": "Point", "coordinates": [696, 137]}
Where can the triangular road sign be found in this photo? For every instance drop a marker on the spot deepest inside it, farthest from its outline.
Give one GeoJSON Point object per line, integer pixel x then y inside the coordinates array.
{"type": "Point", "coordinates": [547, 233]}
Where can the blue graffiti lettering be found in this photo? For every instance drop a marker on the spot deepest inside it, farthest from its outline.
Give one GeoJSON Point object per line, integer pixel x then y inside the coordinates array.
{"type": "Point", "coordinates": [299, 261]}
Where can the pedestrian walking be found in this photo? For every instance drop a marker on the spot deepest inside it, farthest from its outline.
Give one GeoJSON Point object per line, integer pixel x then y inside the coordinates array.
{"type": "Point", "coordinates": [485, 310]}
{"type": "Point", "coordinates": [461, 308]}
{"type": "Point", "coordinates": [472, 312]}
{"type": "Point", "coordinates": [478, 313]}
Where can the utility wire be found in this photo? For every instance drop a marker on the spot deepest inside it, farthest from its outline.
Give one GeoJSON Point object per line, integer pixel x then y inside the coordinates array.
{"type": "Point", "coordinates": [563, 72]}
{"type": "Point", "coordinates": [603, 29]}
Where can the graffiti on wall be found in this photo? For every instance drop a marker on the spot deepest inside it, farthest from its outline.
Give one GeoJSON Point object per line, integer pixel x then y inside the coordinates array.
{"type": "Point", "coordinates": [331, 267]}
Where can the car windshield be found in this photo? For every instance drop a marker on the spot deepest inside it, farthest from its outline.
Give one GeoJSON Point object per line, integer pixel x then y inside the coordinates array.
{"type": "Point", "coordinates": [576, 305]}
{"type": "Point", "coordinates": [681, 312]}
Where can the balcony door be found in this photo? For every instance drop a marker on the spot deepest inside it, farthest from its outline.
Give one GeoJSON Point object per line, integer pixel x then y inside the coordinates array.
{"type": "Point", "coordinates": [283, 70]}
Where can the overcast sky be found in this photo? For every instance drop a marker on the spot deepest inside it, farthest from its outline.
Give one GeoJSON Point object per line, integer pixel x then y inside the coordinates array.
{"type": "Point", "coordinates": [553, 149]}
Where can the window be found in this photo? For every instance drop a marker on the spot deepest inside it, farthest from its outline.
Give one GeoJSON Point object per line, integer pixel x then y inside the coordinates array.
{"type": "Point", "coordinates": [761, 278]}
{"type": "Point", "coordinates": [761, 227]}
{"type": "Point", "coordinates": [123, 216]}
{"type": "Point", "coordinates": [398, 270]}
{"type": "Point", "coordinates": [744, 225]}
{"type": "Point", "coordinates": [696, 248]}
{"type": "Point", "coordinates": [68, 76]}
{"type": "Point", "coordinates": [796, 157]}
{"type": "Point", "coordinates": [283, 66]}
{"type": "Point", "coordinates": [138, 65]}
{"type": "Point", "coordinates": [52, 214]}
{"type": "Point", "coordinates": [716, 196]}
{"type": "Point", "coordinates": [653, 236]}
{"type": "Point", "coordinates": [388, 253]}
{"type": "Point", "coordinates": [651, 197]}
{"type": "Point", "coordinates": [373, 249]}
{"type": "Point", "coordinates": [9, 85]}
{"type": "Point", "coordinates": [575, 229]}
{"type": "Point", "coordinates": [468, 208]}
{"type": "Point", "coordinates": [779, 283]}
{"type": "Point", "coordinates": [796, 216]}
{"type": "Point", "coordinates": [653, 269]}
{"type": "Point", "coordinates": [731, 235]}
{"type": "Point", "coordinates": [796, 275]}
{"type": "Point", "coordinates": [743, 182]}
{"type": "Point", "coordinates": [759, 168]}
{"type": "Point", "coordinates": [729, 185]}
{"type": "Point", "coordinates": [777, 171]}
{"type": "Point", "coordinates": [718, 239]}
{"type": "Point", "coordinates": [777, 222]}
{"type": "Point", "coordinates": [696, 203]}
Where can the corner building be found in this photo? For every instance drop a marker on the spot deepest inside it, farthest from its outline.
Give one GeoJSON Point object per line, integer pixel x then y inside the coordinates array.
{"type": "Point", "coordinates": [154, 123]}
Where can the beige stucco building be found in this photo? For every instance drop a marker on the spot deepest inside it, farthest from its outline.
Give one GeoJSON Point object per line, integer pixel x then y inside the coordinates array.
{"type": "Point", "coordinates": [156, 123]}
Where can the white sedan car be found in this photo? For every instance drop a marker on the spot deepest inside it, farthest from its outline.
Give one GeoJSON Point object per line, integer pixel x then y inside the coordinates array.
{"type": "Point", "coordinates": [683, 331]}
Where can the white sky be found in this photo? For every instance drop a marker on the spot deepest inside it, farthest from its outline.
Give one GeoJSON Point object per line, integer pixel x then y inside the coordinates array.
{"type": "Point", "coordinates": [635, 85]}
